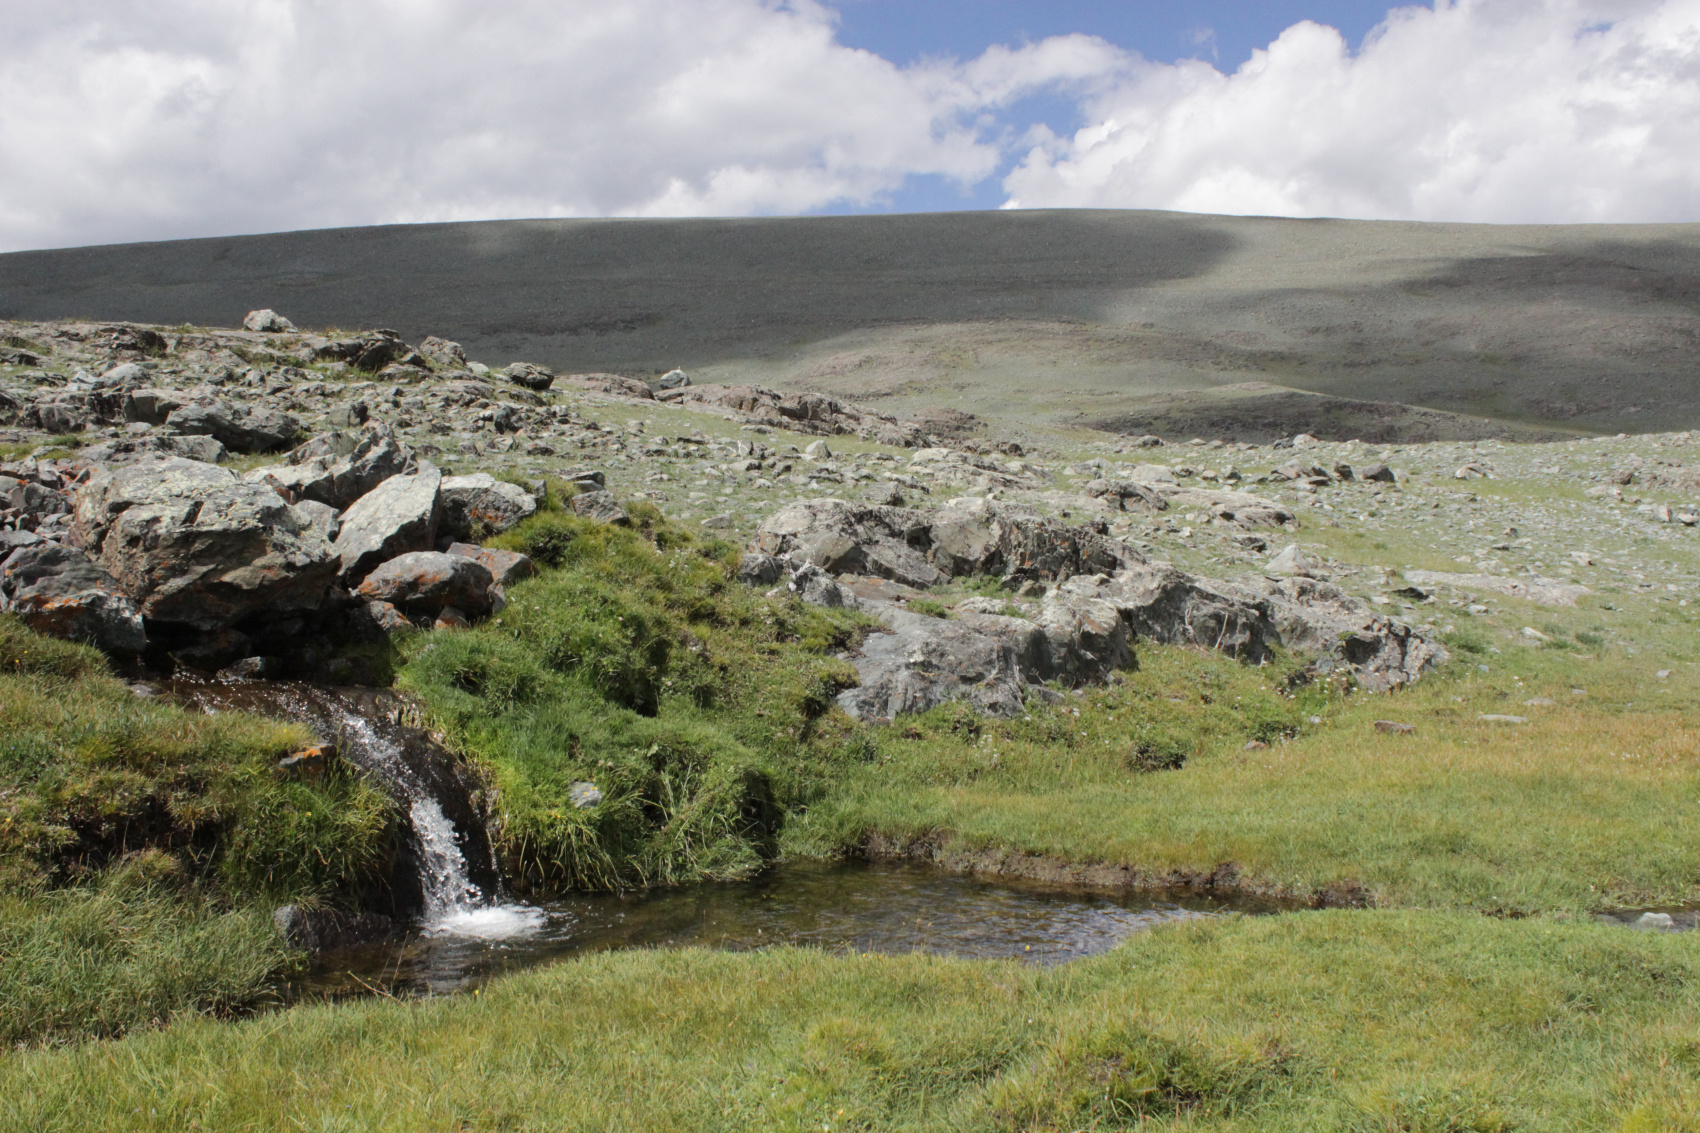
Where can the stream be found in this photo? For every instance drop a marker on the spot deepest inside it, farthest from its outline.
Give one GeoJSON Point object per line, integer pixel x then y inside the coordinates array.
{"type": "Point", "coordinates": [849, 907]}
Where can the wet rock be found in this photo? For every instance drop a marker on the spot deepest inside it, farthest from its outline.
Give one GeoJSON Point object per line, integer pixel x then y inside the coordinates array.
{"type": "Point", "coordinates": [57, 591]}
{"type": "Point", "coordinates": [319, 930]}
{"type": "Point", "coordinates": [400, 515]}
{"type": "Point", "coordinates": [255, 669]}
{"type": "Point", "coordinates": [601, 506]}
{"type": "Point", "coordinates": [478, 505]}
{"type": "Point", "coordinates": [425, 582]}
{"type": "Point", "coordinates": [506, 567]}
{"type": "Point", "coordinates": [267, 321]}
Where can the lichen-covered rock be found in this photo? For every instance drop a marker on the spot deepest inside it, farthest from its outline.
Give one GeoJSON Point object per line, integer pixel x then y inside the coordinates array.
{"type": "Point", "coordinates": [478, 505]}
{"type": "Point", "coordinates": [128, 450]}
{"type": "Point", "coordinates": [213, 558]}
{"type": "Point", "coordinates": [112, 490]}
{"type": "Point", "coordinates": [59, 592]}
{"type": "Point", "coordinates": [398, 516]}
{"type": "Point", "coordinates": [507, 567]}
{"type": "Point", "coordinates": [424, 582]}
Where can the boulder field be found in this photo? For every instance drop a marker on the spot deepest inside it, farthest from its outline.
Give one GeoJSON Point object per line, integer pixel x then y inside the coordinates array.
{"type": "Point", "coordinates": [146, 543]}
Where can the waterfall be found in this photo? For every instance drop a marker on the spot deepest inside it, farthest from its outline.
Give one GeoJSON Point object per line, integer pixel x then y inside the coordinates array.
{"type": "Point", "coordinates": [419, 775]}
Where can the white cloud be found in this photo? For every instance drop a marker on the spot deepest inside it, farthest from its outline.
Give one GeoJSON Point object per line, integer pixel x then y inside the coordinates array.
{"type": "Point", "coordinates": [1480, 110]}
{"type": "Point", "coordinates": [137, 119]}
{"type": "Point", "coordinates": [148, 119]}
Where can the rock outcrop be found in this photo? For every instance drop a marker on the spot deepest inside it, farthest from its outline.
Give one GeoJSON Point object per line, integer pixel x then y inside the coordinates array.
{"type": "Point", "coordinates": [1105, 599]}
{"type": "Point", "coordinates": [58, 591]}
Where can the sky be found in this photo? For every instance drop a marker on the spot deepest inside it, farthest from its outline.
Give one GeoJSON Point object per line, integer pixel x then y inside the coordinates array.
{"type": "Point", "coordinates": [125, 120]}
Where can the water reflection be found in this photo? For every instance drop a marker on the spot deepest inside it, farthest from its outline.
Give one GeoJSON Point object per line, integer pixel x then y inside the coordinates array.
{"type": "Point", "coordinates": [885, 907]}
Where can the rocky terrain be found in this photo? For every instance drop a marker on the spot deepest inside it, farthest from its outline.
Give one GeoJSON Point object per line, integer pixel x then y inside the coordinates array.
{"type": "Point", "coordinates": [253, 501]}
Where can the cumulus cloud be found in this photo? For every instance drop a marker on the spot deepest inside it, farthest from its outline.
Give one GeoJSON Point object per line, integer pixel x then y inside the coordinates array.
{"type": "Point", "coordinates": [149, 119]}
{"type": "Point", "coordinates": [136, 119]}
{"type": "Point", "coordinates": [1479, 110]}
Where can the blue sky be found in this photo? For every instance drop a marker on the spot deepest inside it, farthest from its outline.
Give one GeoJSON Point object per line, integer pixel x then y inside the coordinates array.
{"type": "Point", "coordinates": [1221, 32]}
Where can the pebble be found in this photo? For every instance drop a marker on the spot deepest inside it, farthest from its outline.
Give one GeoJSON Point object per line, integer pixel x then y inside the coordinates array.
{"type": "Point", "coordinates": [1500, 718]}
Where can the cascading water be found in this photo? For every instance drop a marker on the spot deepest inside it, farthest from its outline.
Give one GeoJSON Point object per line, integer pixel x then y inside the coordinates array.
{"type": "Point", "coordinates": [363, 726]}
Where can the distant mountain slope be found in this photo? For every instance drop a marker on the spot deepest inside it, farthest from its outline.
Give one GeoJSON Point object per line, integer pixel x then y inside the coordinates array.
{"type": "Point", "coordinates": [1054, 315]}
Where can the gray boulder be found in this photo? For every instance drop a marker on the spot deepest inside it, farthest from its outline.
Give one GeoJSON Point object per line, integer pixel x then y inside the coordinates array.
{"type": "Point", "coordinates": [915, 663]}
{"type": "Point", "coordinates": [211, 559]}
{"type": "Point", "coordinates": [238, 428]}
{"type": "Point", "coordinates": [149, 479]}
{"type": "Point", "coordinates": [673, 379]}
{"type": "Point", "coordinates": [599, 505]}
{"type": "Point", "coordinates": [339, 468]}
{"type": "Point", "coordinates": [530, 376]}
{"type": "Point", "coordinates": [424, 582]}
{"type": "Point", "coordinates": [267, 321]}
{"type": "Point", "coordinates": [128, 450]}
{"type": "Point", "coordinates": [153, 406]}
{"type": "Point", "coordinates": [59, 592]}
{"type": "Point", "coordinates": [29, 498]}
{"type": "Point", "coordinates": [507, 567]}
{"type": "Point", "coordinates": [442, 352]}
{"type": "Point", "coordinates": [479, 505]}
{"type": "Point", "coordinates": [399, 515]}
{"type": "Point", "coordinates": [969, 536]}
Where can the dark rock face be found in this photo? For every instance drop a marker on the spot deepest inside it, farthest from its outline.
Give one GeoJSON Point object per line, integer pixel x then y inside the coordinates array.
{"type": "Point", "coordinates": [399, 515]}
{"type": "Point", "coordinates": [59, 592]}
{"type": "Point", "coordinates": [324, 930]}
{"type": "Point", "coordinates": [424, 582]}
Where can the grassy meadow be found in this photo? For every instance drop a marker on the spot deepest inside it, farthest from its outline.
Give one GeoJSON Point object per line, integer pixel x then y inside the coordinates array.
{"type": "Point", "coordinates": [142, 848]}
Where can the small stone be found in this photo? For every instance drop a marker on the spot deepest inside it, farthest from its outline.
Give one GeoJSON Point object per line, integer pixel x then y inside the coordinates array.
{"type": "Point", "coordinates": [1500, 718]}
{"type": "Point", "coordinates": [817, 450]}
{"type": "Point", "coordinates": [1256, 745]}
{"type": "Point", "coordinates": [1656, 920]}
{"type": "Point", "coordinates": [1538, 702]}
{"type": "Point", "coordinates": [1662, 674]}
{"type": "Point", "coordinates": [450, 618]}
{"type": "Point", "coordinates": [584, 795]}
{"type": "Point", "coordinates": [1534, 634]}
{"type": "Point", "coordinates": [1393, 727]}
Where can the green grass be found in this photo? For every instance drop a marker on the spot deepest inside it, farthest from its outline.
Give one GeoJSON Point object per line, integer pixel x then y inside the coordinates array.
{"type": "Point", "coordinates": [142, 847]}
{"type": "Point", "coordinates": [1463, 815]}
{"type": "Point", "coordinates": [1358, 1021]}
{"type": "Point", "coordinates": [700, 710]}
